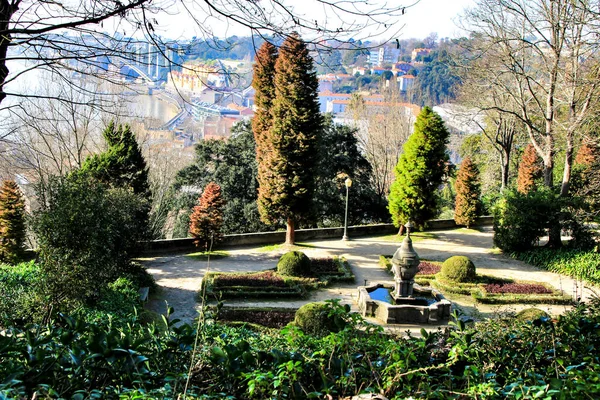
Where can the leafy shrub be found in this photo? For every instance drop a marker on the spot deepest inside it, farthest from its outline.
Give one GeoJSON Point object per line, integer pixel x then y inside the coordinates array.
{"type": "Point", "coordinates": [86, 235]}
{"type": "Point", "coordinates": [521, 219]}
{"type": "Point", "coordinates": [531, 314]}
{"type": "Point", "coordinates": [294, 263]}
{"type": "Point", "coordinates": [459, 269]}
{"type": "Point", "coordinates": [119, 297]}
{"type": "Point", "coordinates": [316, 319]}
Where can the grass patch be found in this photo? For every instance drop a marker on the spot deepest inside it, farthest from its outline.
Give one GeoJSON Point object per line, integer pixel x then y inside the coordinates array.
{"type": "Point", "coordinates": [269, 284]}
{"type": "Point", "coordinates": [415, 236]}
{"type": "Point", "coordinates": [205, 255]}
{"type": "Point", "coordinates": [469, 230]}
{"type": "Point", "coordinates": [283, 246]}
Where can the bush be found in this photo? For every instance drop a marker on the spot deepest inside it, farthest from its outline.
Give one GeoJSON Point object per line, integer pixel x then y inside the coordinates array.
{"type": "Point", "coordinates": [459, 269]}
{"type": "Point", "coordinates": [86, 234]}
{"type": "Point", "coordinates": [21, 294]}
{"type": "Point", "coordinates": [531, 314]}
{"type": "Point", "coordinates": [578, 264]}
{"type": "Point", "coordinates": [316, 319]}
{"type": "Point", "coordinates": [294, 263]}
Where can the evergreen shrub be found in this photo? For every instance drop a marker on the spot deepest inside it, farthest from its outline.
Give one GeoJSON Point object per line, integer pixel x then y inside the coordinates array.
{"type": "Point", "coordinates": [459, 269]}
{"type": "Point", "coordinates": [294, 263]}
{"type": "Point", "coordinates": [531, 314]}
{"type": "Point", "coordinates": [315, 319]}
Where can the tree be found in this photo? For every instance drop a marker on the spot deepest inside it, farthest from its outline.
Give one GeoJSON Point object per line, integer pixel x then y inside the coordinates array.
{"type": "Point", "coordinates": [420, 171]}
{"type": "Point", "coordinates": [340, 157]}
{"type": "Point", "coordinates": [381, 135]}
{"type": "Point", "coordinates": [12, 223]}
{"type": "Point", "coordinates": [542, 54]}
{"type": "Point", "coordinates": [206, 220]}
{"type": "Point", "coordinates": [286, 192]}
{"type": "Point", "coordinates": [529, 170]}
{"type": "Point", "coordinates": [122, 164]}
{"type": "Point", "coordinates": [467, 188]}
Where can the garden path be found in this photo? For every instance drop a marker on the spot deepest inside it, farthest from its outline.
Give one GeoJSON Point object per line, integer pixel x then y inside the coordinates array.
{"type": "Point", "coordinates": [179, 276]}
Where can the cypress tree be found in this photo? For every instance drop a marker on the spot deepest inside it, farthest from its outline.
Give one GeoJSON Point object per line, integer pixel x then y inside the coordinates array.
{"type": "Point", "coordinates": [530, 169]}
{"type": "Point", "coordinates": [286, 184]}
{"type": "Point", "coordinates": [206, 220]}
{"type": "Point", "coordinates": [264, 86]}
{"type": "Point", "coordinates": [12, 223]}
{"type": "Point", "coordinates": [467, 188]}
{"type": "Point", "coordinates": [420, 171]}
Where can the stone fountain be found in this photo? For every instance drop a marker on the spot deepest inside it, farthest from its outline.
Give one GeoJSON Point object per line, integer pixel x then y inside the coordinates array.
{"type": "Point", "coordinates": [406, 302]}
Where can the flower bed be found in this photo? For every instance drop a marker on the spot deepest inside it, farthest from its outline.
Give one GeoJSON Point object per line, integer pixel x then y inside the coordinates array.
{"type": "Point", "coordinates": [269, 284]}
{"type": "Point", "coordinates": [259, 279]}
{"type": "Point", "coordinates": [516, 288]}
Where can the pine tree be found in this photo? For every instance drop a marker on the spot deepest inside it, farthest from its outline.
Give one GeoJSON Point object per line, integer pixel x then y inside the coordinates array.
{"type": "Point", "coordinates": [122, 164]}
{"type": "Point", "coordinates": [420, 172]}
{"type": "Point", "coordinates": [530, 169]}
{"type": "Point", "coordinates": [467, 188]}
{"type": "Point", "coordinates": [12, 223]}
{"type": "Point", "coordinates": [206, 220]}
{"type": "Point", "coordinates": [286, 184]}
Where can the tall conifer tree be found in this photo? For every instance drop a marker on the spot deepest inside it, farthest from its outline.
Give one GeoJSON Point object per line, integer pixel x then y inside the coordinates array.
{"type": "Point", "coordinates": [286, 185]}
{"type": "Point", "coordinates": [467, 193]}
{"type": "Point", "coordinates": [530, 169]}
{"type": "Point", "coordinates": [206, 221]}
{"type": "Point", "coordinates": [420, 171]}
{"type": "Point", "coordinates": [264, 86]}
{"type": "Point", "coordinates": [12, 223]}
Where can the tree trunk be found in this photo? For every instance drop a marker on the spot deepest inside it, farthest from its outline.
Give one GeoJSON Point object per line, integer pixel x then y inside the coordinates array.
{"type": "Point", "coordinates": [401, 230]}
{"type": "Point", "coordinates": [566, 182]}
{"type": "Point", "coordinates": [6, 12]}
{"type": "Point", "coordinates": [290, 234]}
{"type": "Point", "coordinates": [505, 159]}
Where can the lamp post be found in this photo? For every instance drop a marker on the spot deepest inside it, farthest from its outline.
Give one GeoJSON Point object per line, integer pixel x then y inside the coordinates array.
{"type": "Point", "coordinates": [348, 183]}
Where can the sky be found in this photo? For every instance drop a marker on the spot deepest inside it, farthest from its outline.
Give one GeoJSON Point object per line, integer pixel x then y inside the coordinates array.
{"type": "Point", "coordinates": [419, 20]}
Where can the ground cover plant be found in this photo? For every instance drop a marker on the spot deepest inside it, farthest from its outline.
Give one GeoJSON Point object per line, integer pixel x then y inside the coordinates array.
{"type": "Point", "coordinates": [268, 317]}
{"type": "Point", "coordinates": [205, 255]}
{"type": "Point", "coordinates": [272, 284]}
{"type": "Point", "coordinates": [578, 264]}
{"type": "Point", "coordinates": [504, 358]}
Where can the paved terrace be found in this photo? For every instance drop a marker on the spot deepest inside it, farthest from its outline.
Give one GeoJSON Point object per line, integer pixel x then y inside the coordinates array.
{"type": "Point", "coordinates": [179, 276]}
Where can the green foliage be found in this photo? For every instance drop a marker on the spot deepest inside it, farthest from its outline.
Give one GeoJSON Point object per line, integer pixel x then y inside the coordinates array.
{"type": "Point", "coordinates": [320, 319]}
{"type": "Point", "coordinates": [12, 223]}
{"type": "Point", "coordinates": [554, 358]}
{"type": "Point", "coordinates": [420, 171]}
{"type": "Point", "coordinates": [576, 263]}
{"type": "Point", "coordinates": [521, 219]}
{"type": "Point", "coordinates": [467, 194]}
{"type": "Point", "coordinates": [294, 263]}
{"type": "Point", "coordinates": [436, 83]}
{"type": "Point", "coordinates": [20, 291]}
{"type": "Point", "coordinates": [459, 269]}
{"type": "Point", "coordinates": [531, 314]}
{"type": "Point", "coordinates": [232, 165]}
{"type": "Point", "coordinates": [86, 235]}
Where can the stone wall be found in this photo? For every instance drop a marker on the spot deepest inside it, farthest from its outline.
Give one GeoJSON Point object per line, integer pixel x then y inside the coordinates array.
{"type": "Point", "coordinates": [264, 238]}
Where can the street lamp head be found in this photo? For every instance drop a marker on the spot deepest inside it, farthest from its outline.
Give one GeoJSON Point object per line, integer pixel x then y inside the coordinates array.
{"type": "Point", "coordinates": [348, 182]}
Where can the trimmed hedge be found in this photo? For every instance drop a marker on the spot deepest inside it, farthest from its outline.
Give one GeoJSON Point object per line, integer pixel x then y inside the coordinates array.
{"type": "Point", "coordinates": [314, 319]}
{"type": "Point", "coordinates": [531, 314]}
{"type": "Point", "coordinates": [294, 263]}
{"type": "Point", "coordinates": [459, 269]}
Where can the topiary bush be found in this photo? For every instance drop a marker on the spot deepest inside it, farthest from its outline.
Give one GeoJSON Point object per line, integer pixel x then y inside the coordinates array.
{"type": "Point", "coordinates": [294, 263]}
{"type": "Point", "coordinates": [316, 318]}
{"type": "Point", "coordinates": [531, 314]}
{"type": "Point", "coordinates": [459, 269]}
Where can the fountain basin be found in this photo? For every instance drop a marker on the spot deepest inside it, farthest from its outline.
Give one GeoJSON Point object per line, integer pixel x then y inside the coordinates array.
{"type": "Point", "coordinates": [427, 305]}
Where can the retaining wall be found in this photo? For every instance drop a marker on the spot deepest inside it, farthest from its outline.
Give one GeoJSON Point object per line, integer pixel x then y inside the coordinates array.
{"type": "Point", "coordinates": [263, 238]}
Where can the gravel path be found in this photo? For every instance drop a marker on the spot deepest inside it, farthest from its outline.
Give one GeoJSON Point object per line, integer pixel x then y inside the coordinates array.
{"type": "Point", "coordinates": [179, 276]}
